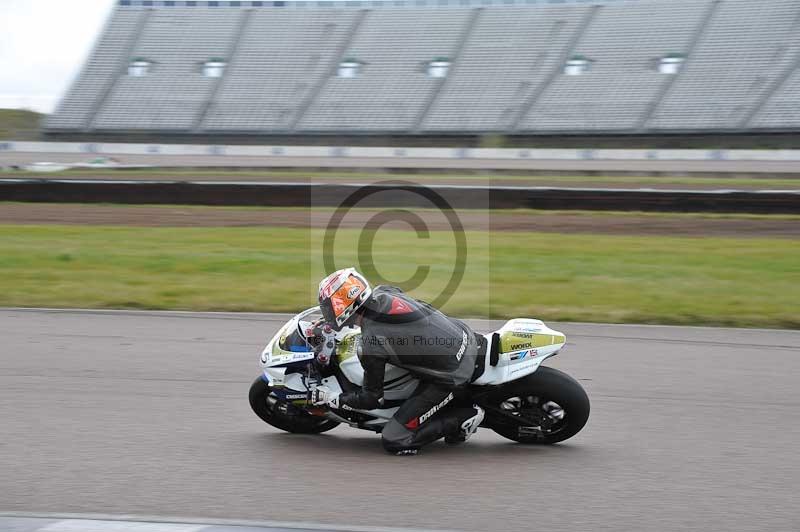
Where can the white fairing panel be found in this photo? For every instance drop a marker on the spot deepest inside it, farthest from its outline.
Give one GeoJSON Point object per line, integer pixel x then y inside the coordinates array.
{"type": "Point", "coordinates": [524, 345]}
{"type": "Point", "coordinates": [352, 370]}
{"type": "Point", "coordinates": [273, 355]}
{"type": "Point", "coordinates": [381, 413]}
{"type": "Point", "coordinates": [398, 383]}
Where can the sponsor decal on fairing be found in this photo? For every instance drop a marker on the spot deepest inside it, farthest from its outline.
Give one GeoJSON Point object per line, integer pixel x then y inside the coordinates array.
{"type": "Point", "coordinates": [522, 354]}
{"type": "Point", "coordinates": [296, 396]}
{"type": "Point", "coordinates": [517, 347]}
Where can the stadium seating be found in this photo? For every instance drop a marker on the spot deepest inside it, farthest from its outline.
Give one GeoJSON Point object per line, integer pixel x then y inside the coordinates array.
{"type": "Point", "coordinates": [282, 55]}
{"type": "Point", "coordinates": [76, 108]}
{"type": "Point", "coordinates": [389, 93]}
{"type": "Point", "coordinates": [783, 109]}
{"type": "Point", "coordinates": [177, 41]}
{"type": "Point", "coordinates": [744, 48]}
{"type": "Point", "coordinates": [623, 43]}
{"type": "Point", "coordinates": [509, 55]}
{"type": "Point", "coordinates": [504, 66]}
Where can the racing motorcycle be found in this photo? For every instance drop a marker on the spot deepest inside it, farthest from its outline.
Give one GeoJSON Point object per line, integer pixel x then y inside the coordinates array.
{"type": "Point", "coordinates": [524, 401]}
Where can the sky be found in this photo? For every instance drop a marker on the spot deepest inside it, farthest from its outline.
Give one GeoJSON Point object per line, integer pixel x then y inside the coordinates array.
{"type": "Point", "coordinates": [43, 44]}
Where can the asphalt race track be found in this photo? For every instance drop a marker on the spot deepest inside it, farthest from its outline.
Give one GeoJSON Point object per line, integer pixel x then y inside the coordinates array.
{"type": "Point", "coordinates": [147, 414]}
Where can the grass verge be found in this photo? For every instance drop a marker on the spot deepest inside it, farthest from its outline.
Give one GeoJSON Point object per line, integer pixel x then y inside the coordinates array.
{"type": "Point", "coordinates": [727, 281]}
{"type": "Point", "coordinates": [19, 124]}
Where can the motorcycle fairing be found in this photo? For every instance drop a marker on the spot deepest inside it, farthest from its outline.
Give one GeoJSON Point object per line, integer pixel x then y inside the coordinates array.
{"type": "Point", "coordinates": [523, 344]}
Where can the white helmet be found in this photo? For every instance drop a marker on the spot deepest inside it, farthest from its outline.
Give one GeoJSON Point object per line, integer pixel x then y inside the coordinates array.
{"type": "Point", "coordinates": [341, 294]}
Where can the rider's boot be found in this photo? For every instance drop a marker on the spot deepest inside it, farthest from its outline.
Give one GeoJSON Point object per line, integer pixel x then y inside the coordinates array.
{"type": "Point", "coordinates": [468, 427]}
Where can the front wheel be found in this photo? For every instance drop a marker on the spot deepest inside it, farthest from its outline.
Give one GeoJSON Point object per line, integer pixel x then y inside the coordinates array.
{"type": "Point", "coordinates": [551, 407]}
{"type": "Point", "coordinates": [283, 415]}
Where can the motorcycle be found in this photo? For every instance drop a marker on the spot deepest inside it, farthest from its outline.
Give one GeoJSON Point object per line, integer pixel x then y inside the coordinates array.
{"type": "Point", "coordinates": [523, 400]}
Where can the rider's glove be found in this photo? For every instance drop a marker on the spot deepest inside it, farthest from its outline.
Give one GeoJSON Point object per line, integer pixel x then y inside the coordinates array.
{"type": "Point", "coordinates": [322, 395]}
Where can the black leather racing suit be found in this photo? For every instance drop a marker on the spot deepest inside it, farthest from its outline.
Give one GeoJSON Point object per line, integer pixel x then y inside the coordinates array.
{"type": "Point", "coordinates": [439, 350]}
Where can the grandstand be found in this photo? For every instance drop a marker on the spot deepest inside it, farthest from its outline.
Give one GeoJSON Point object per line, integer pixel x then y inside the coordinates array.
{"type": "Point", "coordinates": [440, 67]}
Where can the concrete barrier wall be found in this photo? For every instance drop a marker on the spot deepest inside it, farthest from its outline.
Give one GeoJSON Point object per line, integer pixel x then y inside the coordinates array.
{"type": "Point", "coordinates": [355, 152]}
{"type": "Point", "coordinates": [332, 195]}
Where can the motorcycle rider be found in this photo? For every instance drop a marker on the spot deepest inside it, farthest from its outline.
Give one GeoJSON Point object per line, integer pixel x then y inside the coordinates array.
{"type": "Point", "coordinates": [411, 334]}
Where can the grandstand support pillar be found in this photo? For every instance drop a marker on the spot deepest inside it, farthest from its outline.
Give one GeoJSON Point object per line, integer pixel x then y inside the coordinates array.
{"type": "Point", "coordinates": [319, 84]}
{"type": "Point", "coordinates": [122, 69]}
{"type": "Point", "coordinates": [438, 89]}
{"type": "Point", "coordinates": [666, 87]}
{"type": "Point", "coordinates": [777, 84]}
{"type": "Point", "coordinates": [244, 20]}
{"type": "Point", "coordinates": [530, 102]}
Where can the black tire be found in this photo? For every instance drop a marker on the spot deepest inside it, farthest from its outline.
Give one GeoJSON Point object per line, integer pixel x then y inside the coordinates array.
{"type": "Point", "coordinates": [545, 385]}
{"type": "Point", "coordinates": [298, 423]}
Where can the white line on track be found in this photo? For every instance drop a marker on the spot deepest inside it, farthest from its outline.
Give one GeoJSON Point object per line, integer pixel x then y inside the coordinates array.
{"type": "Point", "coordinates": [71, 522]}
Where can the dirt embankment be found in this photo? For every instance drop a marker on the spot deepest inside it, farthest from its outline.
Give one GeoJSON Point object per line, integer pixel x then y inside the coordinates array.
{"type": "Point", "coordinates": [597, 223]}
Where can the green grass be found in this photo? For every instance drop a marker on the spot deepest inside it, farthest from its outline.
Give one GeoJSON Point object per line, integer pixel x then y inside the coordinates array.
{"type": "Point", "coordinates": [732, 282]}
{"type": "Point", "coordinates": [19, 124]}
{"type": "Point", "coordinates": [475, 178]}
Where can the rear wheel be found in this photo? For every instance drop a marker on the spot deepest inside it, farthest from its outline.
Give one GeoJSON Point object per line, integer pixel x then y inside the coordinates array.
{"type": "Point", "coordinates": [283, 415]}
{"type": "Point", "coordinates": [551, 407]}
